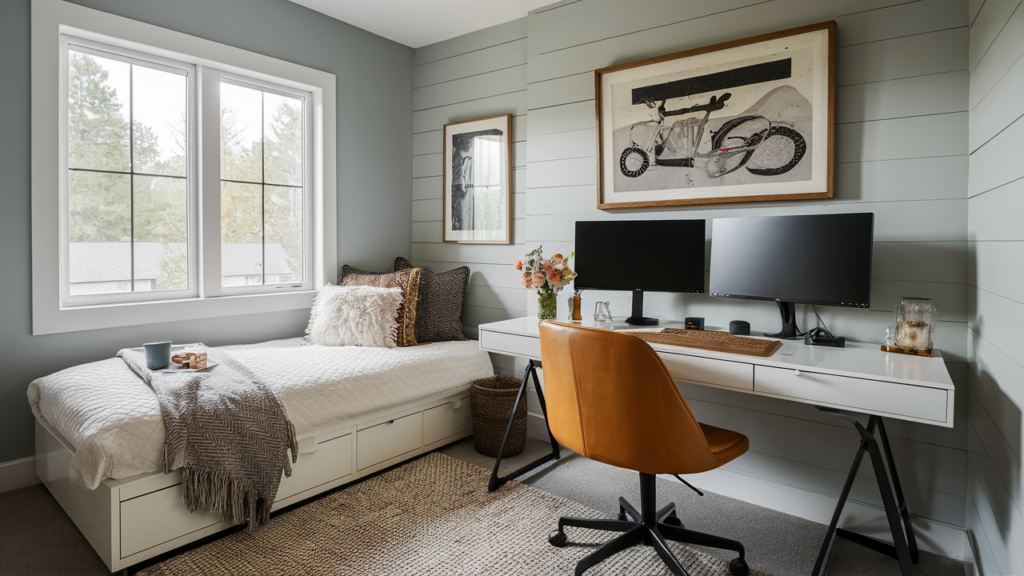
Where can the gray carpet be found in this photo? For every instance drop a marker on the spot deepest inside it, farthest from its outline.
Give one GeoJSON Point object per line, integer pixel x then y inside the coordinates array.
{"type": "Point", "coordinates": [36, 537]}
{"type": "Point", "coordinates": [776, 543]}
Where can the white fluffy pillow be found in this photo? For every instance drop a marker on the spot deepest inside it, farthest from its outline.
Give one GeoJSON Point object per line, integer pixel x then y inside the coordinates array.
{"type": "Point", "coordinates": [354, 316]}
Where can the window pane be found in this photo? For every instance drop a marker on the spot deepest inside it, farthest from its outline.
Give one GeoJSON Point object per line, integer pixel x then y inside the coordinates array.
{"type": "Point", "coordinates": [160, 112]}
{"type": "Point", "coordinates": [98, 96]}
{"type": "Point", "coordinates": [241, 234]}
{"type": "Point", "coordinates": [99, 228]}
{"type": "Point", "coordinates": [283, 226]}
{"type": "Point", "coordinates": [161, 233]}
{"type": "Point", "coordinates": [282, 140]}
{"type": "Point", "coordinates": [241, 133]}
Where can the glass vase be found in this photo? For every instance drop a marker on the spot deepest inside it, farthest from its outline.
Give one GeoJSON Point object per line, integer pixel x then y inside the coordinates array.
{"type": "Point", "coordinates": [547, 305]}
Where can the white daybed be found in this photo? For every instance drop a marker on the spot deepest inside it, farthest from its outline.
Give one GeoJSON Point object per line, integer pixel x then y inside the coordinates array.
{"type": "Point", "coordinates": [356, 411]}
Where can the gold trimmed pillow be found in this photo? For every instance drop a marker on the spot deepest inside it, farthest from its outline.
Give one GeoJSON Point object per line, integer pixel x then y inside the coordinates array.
{"type": "Point", "coordinates": [407, 280]}
{"type": "Point", "coordinates": [439, 318]}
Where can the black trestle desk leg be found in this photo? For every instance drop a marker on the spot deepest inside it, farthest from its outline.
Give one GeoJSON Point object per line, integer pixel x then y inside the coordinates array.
{"type": "Point", "coordinates": [904, 547]}
{"type": "Point", "coordinates": [497, 481]}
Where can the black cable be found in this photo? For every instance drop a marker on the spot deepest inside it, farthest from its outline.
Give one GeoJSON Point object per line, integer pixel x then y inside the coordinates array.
{"type": "Point", "coordinates": [680, 478]}
{"type": "Point", "coordinates": [822, 322]}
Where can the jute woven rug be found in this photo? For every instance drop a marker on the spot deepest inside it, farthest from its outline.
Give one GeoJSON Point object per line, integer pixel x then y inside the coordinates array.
{"type": "Point", "coordinates": [432, 516]}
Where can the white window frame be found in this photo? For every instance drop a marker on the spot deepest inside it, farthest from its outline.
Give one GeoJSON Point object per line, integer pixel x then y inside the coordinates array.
{"type": "Point", "coordinates": [53, 18]}
{"type": "Point", "coordinates": [212, 280]}
{"type": "Point", "coordinates": [140, 59]}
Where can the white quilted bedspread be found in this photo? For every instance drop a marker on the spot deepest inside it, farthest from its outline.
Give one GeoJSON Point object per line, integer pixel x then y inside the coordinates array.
{"type": "Point", "coordinates": [113, 420]}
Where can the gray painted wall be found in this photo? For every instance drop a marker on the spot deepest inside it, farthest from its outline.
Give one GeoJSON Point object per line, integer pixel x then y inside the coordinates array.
{"type": "Point", "coordinates": [374, 112]}
{"type": "Point", "coordinates": [995, 494]}
{"type": "Point", "coordinates": [902, 100]}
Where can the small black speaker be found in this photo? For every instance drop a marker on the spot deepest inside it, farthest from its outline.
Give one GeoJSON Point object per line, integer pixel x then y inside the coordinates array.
{"type": "Point", "coordinates": [739, 328]}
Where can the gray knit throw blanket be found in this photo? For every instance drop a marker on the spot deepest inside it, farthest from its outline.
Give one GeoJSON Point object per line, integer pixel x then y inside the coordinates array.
{"type": "Point", "coordinates": [228, 433]}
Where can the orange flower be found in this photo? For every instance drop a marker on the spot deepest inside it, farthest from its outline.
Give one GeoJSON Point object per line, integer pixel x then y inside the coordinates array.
{"type": "Point", "coordinates": [519, 264]}
{"type": "Point", "coordinates": [555, 276]}
{"type": "Point", "coordinates": [527, 281]}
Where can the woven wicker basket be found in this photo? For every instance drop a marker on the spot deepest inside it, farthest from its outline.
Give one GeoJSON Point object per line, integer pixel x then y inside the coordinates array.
{"type": "Point", "coordinates": [491, 401]}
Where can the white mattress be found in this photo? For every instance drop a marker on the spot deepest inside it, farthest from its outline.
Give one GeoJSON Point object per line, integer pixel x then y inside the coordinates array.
{"type": "Point", "coordinates": [113, 420]}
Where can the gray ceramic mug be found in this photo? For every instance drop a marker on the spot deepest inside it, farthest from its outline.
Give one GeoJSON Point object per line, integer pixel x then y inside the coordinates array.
{"type": "Point", "coordinates": [158, 355]}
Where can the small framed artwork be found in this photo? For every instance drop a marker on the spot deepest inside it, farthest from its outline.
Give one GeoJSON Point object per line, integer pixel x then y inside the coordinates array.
{"type": "Point", "coordinates": [745, 121]}
{"type": "Point", "coordinates": [477, 181]}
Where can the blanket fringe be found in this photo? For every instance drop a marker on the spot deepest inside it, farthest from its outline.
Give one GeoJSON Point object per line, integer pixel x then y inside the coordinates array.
{"type": "Point", "coordinates": [234, 498]}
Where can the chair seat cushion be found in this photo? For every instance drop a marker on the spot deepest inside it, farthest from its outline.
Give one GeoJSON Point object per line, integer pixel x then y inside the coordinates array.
{"type": "Point", "coordinates": [726, 445]}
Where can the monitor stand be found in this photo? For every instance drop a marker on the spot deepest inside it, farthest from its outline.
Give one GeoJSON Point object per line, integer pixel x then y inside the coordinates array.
{"type": "Point", "coordinates": [789, 330]}
{"type": "Point", "coordinates": [638, 318]}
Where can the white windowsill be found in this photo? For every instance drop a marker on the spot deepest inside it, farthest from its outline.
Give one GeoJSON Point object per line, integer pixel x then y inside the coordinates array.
{"type": "Point", "coordinates": [117, 315]}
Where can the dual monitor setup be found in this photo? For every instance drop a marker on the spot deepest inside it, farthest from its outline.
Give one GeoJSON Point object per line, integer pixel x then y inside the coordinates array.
{"type": "Point", "coordinates": [807, 259]}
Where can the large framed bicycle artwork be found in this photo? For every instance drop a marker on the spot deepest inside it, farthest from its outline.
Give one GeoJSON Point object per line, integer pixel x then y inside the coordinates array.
{"type": "Point", "coordinates": [744, 121]}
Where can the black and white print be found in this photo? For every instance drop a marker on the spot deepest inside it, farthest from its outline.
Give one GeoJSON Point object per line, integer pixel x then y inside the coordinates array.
{"type": "Point", "coordinates": [476, 194]}
{"type": "Point", "coordinates": [751, 120]}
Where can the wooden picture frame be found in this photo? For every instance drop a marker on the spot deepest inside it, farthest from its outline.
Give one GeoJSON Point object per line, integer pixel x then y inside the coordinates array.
{"type": "Point", "coordinates": [477, 181]}
{"type": "Point", "coordinates": [750, 120]}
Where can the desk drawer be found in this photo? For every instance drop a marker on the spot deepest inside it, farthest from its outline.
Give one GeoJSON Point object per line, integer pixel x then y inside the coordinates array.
{"type": "Point", "coordinates": [510, 344]}
{"type": "Point", "coordinates": [722, 373]}
{"type": "Point", "coordinates": [332, 460]}
{"type": "Point", "coordinates": [871, 395]}
{"type": "Point", "coordinates": [388, 439]}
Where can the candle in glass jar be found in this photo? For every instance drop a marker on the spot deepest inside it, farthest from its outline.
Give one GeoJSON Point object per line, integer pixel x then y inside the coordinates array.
{"type": "Point", "coordinates": [914, 335]}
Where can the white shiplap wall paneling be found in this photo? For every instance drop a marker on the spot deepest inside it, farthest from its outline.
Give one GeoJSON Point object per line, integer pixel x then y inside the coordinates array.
{"type": "Point", "coordinates": [997, 163]}
{"type": "Point", "coordinates": [996, 287]}
{"type": "Point", "coordinates": [998, 57]}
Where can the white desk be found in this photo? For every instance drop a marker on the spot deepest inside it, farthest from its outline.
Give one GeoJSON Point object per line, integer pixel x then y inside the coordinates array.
{"type": "Point", "coordinates": [859, 378]}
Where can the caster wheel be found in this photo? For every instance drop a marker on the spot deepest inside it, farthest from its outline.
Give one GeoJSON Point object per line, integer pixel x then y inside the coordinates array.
{"type": "Point", "coordinates": [739, 567]}
{"type": "Point", "coordinates": [673, 520]}
{"type": "Point", "coordinates": [558, 539]}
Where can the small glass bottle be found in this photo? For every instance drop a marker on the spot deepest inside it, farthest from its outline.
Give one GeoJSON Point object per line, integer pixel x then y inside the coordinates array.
{"type": "Point", "coordinates": [576, 307]}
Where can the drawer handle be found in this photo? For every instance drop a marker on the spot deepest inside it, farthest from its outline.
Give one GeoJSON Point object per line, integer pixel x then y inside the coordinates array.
{"type": "Point", "coordinates": [457, 404]}
{"type": "Point", "coordinates": [390, 422]}
{"type": "Point", "coordinates": [796, 373]}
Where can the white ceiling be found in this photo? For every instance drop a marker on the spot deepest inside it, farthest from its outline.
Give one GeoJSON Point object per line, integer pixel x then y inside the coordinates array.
{"type": "Point", "coordinates": [418, 23]}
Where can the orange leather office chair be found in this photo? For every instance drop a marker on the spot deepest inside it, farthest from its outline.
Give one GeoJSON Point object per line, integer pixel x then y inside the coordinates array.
{"type": "Point", "coordinates": [610, 398]}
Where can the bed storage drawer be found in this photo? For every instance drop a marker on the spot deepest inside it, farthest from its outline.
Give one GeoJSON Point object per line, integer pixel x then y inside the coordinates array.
{"type": "Point", "coordinates": [332, 460]}
{"type": "Point", "coordinates": [158, 517]}
{"type": "Point", "coordinates": [446, 420]}
{"type": "Point", "coordinates": [386, 440]}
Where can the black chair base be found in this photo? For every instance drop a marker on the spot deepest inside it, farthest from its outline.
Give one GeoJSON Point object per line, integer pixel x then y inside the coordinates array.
{"type": "Point", "coordinates": [648, 527]}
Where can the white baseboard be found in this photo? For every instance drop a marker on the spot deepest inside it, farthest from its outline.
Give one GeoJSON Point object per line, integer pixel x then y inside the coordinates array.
{"type": "Point", "coordinates": [18, 474]}
{"type": "Point", "coordinates": [932, 535]}
{"type": "Point", "coordinates": [968, 558]}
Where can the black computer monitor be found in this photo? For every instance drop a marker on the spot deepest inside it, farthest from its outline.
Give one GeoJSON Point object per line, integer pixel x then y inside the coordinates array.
{"type": "Point", "coordinates": [819, 259]}
{"type": "Point", "coordinates": [641, 255]}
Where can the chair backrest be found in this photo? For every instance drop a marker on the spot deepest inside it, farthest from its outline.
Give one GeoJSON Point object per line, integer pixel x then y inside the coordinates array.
{"type": "Point", "coordinates": [611, 399]}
